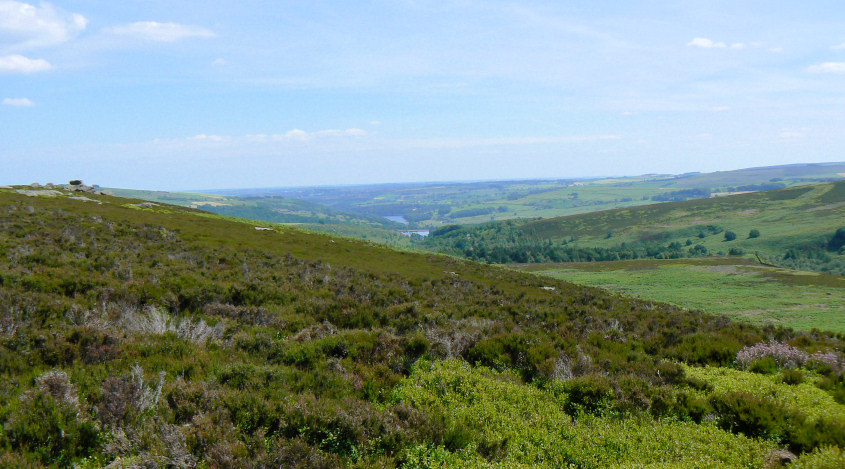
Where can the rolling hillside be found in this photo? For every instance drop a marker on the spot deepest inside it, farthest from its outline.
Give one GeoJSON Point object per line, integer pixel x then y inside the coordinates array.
{"type": "Point", "coordinates": [276, 209]}
{"type": "Point", "coordinates": [143, 335]}
{"type": "Point", "coordinates": [433, 205]}
{"type": "Point", "coordinates": [794, 227]}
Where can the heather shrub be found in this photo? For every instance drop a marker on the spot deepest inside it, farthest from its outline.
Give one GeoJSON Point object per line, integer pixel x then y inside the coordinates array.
{"type": "Point", "coordinates": [764, 366]}
{"type": "Point", "coordinates": [807, 436]}
{"type": "Point", "coordinates": [670, 372]}
{"type": "Point", "coordinates": [827, 362]}
{"type": "Point", "coordinates": [153, 444]}
{"type": "Point", "coordinates": [255, 315]}
{"type": "Point", "coordinates": [51, 428]}
{"type": "Point", "coordinates": [834, 385]}
{"type": "Point", "coordinates": [689, 406]}
{"type": "Point", "coordinates": [591, 394]}
{"type": "Point", "coordinates": [124, 398]}
{"type": "Point", "coordinates": [118, 397]}
{"type": "Point", "coordinates": [753, 416]}
{"type": "Point", "coordinates": [827, 457]}
{"type": "Point", "coordinates": [703, 349]}
{"type": "Point", "coordinates": [785, 355]}
{"type": "Point", "coordinates": [567, 367]}
{"type": "Point", "coordinates": [792, 377]}
{"type": "Point", "coordinates": [57, 384]}
{"type": "Point", "coordinates": [516, 351]}
{"type": "Point", "coordinates": [296, 453]}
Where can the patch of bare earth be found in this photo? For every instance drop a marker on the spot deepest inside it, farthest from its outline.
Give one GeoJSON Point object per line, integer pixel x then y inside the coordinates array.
{"type": "Point", "coordinates": [827, 207]}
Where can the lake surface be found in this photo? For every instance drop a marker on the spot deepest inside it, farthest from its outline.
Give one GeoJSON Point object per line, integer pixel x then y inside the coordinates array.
{"type": "Point", "coordinates": [397, 218]}
{"type": "Point", "coordinates": [422, 233]}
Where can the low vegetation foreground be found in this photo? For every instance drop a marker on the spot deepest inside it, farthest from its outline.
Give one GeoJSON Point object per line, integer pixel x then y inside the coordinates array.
{"type": "Point", "coordinates": [147, 335]}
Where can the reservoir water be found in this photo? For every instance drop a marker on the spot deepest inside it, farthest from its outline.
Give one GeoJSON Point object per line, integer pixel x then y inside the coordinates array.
{"type": "Point", "coordinates": [397, 218]}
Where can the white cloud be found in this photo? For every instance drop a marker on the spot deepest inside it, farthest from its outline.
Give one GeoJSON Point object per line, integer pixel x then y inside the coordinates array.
{"type": "Point", "coordinates": [828, 67]}
{"type": "Point", "coordinates": [721, 108]}
{"type": "Point", "coordinates": [219, 62]}
{"type": "Point", "coordinates": [25, 26]}
{"type": "Point", "coordinates": [295, 135]}
{"type": "Point", "coordinates": [792, 134]}
{"type": "Point", "coordinates": [18, 102]}
{"type": "Point", "coordinates": [838, 47]}
{"type": "Point", "coordinates": [705, 43]}
{"type": "Point", "coordinates": [209, 138]}
{"type": "Point", "coordinates": [20, 64]}
{"type": "Point", "coordinates": [160, 32]}
{"type": "Point", "coordinates": [301, 135]}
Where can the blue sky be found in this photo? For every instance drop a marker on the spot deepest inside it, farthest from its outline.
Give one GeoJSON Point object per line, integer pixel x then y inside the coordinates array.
{"type": "Point", "coordinates": [185, 95]}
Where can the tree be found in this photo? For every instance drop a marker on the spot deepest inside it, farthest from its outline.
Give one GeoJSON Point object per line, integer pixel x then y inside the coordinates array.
{"type": "Point", "coordinates": [730, 235]}
{"type": "Point", "coordinates": [838, 240]}
{"type": "Point", "coordinates": [754, 233]}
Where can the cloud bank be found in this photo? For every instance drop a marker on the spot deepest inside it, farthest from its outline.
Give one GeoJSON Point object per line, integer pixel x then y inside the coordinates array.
{"type": "Point", "coordinates": [24, 26]}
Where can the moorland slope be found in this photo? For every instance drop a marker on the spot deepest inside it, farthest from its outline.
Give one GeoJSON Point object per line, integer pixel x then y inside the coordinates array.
{"type": "Point", "coordinates": [153, 335]}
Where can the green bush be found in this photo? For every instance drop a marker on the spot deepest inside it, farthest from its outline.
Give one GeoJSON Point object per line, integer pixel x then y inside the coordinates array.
{"type": "Point", "coordinates": [754, 233]}
{"type": "Point", "coordinates": [764, 366]}
{"type": "Point", "coordinates": [792, 376]}
{"type": "Point", "coordinates": [592, 394]}
{"type": "Point", "coordinates": [704, 349]}
{"type": "Point", "coordinates": [730, 235]}
{"type": "Point", "coordinates": [803, 437]}
{"type": "Point", "coordinates": [752, 416]}
{"type": "Point", "coordinates": [50, 429]}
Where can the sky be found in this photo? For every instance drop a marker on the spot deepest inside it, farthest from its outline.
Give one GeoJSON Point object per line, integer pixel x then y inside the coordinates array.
{"type": "Point", "coordinates": [195, 95]}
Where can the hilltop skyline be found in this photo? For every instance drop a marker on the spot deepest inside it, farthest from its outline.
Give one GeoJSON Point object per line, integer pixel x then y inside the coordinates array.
{"type": "Point", "coordinates": [267, 94]}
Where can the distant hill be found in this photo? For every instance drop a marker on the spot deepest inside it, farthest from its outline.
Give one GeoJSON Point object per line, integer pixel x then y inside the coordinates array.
{"type": "Point", "coordinates": [277, 209]}
{"type": "Point", "coordinates": [433, 205]}
{"type": "Point", "coordinates": [791, 227]}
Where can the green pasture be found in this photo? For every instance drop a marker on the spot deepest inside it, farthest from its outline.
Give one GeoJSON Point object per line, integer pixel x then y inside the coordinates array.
{"type": "Point", "coordinates": [736, 288]}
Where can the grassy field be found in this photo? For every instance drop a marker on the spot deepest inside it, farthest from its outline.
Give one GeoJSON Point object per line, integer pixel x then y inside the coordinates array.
{"type": "Point", "coordinates": [737, 288]}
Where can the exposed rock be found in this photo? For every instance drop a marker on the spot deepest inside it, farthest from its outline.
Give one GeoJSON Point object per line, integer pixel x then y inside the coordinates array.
{"type": "Point", "coordinates": [146, 205]}
{"type": "Point", "coordinates": [261, 228]}
{"type": "Point", "coordinates": [85, 199]}
{"type": "Point", "coordinates": [35, 185]}
{"type": "Point", "coordinates": [779, 458]}
{"type": "Point", "coordinates": [37, 193]}
{"type": "Point", "coordinates": [84, 188]}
